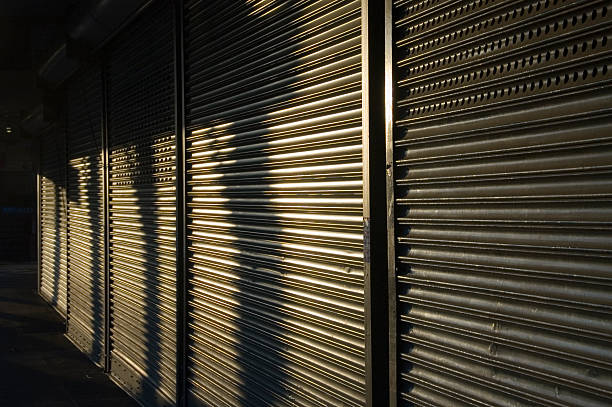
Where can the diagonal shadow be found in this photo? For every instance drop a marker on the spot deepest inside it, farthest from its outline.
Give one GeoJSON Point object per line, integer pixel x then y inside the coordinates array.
{"type": "Point", "coordinates": [262, 245]}
{"type": "Point", "coordinates": [86, 268]}
{"type": "Point", "coordinates": [53, 179]}
{"type": "Point", "coordinates": [143, 205]}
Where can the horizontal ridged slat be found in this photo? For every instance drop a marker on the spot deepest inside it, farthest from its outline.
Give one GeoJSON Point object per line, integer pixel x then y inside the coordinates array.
{"type": "Point", "coordinates": [53, 225]}
{"type": "Point", "coordinates": [274, 203]}
{"type": "Point", "coordinates": [86, 251]}
{"type": "Point", "coordinates": [503, 183]}
{"type": "Point", "coordinates": [142, 207]}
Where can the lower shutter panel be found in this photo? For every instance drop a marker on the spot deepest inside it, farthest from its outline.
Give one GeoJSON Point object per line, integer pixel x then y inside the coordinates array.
{"type": "Point", "coordinates": [275, 247]}
{"type": "Point", "coordinates": [85, 214]}
{"type": "Point", "coordinates": [53, 275]}
{"type": "Point", "coordinates": [503, 180]}
{"type": "Point", "coordinates": [142, 208]}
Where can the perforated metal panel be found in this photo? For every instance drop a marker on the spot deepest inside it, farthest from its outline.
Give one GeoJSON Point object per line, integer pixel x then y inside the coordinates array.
{"type": "Point", "coordinates": [275, 246]}
{"type": "Point", "coordinates": [52, 220]}
{"type": "Point", "coordinates": [86, 249]}
{"type": "Point", "coordinates": [503, 180]}
{"type": "Point", "coordinates": [142, 207]}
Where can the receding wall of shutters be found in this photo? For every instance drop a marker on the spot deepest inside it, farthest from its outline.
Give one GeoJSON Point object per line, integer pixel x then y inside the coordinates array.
{"type": "Point", "coordinates": [503, 187]}
{"type": "Point", "coordinates": [142, 207]}
{"type": "Point", "coordinates": [275, 248]}
{"type": "Point", "coordinates": [53, 276]}
{"type": "Point", "coordinates": [86, 249]}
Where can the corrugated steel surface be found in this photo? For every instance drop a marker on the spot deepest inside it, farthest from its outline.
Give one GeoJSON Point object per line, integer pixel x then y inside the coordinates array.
{"type": "Point", "coordinates": [275, 275]}
{"type": "Point", "coordinates": [85, 214]}
{"type": "Point", "coordinates": [142, 207]}
{"type": "Point", "coordinates": [53, 274]}
{"type": "Point", "coordinates": [503, 180]}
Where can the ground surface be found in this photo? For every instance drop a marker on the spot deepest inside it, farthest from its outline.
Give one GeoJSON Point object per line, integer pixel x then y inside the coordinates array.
{"type": "Point", "coordinates": [39, 367]}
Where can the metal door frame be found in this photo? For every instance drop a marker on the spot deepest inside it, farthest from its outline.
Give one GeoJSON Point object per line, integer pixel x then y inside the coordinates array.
{"type": "Point", "coordinates": [374, 203]}
{"type": "Point", "coordinates": [181, 209]}
{"type": "Point", "coordinates": [38, 218]}
{"type": "Point", "coordinates": [390, 195]}
{"type": "Point", "coordinates": [105, 222]}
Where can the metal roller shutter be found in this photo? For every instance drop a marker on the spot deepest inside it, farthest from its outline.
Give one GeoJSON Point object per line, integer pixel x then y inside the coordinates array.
{"type": "Point", "coordinates": [274, 205]}
{"type": "Point", "coordinates": [142, 205]}
{"type": "Point", "coordinates": [86, 249]}
{"type": "Point", "coordinates": [503, 187]}
{"type": "Point", "coordinates": [53, 276]}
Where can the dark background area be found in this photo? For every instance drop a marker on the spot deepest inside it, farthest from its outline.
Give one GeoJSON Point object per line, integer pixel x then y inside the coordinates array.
{"type": "Point", "coordinates": [30, 31]}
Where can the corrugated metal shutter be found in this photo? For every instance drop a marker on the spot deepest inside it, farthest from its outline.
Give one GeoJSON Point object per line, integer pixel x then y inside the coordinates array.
{"type": "Point", "coordinates": [86, 249]}
{"type": "Point", "coordinates": [53, 274]}
{"type": "Point", "coordinates": [275, 300]}
{"type": "Point", "coordinates": [502, 186]}
{"type": "Point", "coordinates": [142, 207]}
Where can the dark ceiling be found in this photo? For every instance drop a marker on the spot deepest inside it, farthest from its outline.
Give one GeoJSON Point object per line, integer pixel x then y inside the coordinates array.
{"type": "Point", "coordinates": [30, 31]}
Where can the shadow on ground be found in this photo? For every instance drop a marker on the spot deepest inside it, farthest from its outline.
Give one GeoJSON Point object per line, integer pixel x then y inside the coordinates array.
{"type": "Point", "coordinates": [39, 367]}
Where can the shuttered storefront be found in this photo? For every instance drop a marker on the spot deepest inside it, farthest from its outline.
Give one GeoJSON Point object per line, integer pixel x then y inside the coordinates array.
{"type": "Point", "coordinates": [86, 249]}
{"type": "Point", "coordinates": [52, 284]}
{"type": "Point", "coordinates": [502, 201]}
{"type": "Point", "coordinates": [274, 197]}
{"type": "Point", "coordinates": [142, 207]}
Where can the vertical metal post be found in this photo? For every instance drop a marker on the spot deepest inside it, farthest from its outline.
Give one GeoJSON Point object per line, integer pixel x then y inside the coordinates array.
{"type": "Point", "coordinates": [392, 296]}
{"type": "Point", "coordinates": [39, 215]}
{"type": "Point", "coordinates": [374, 202]}
{"type": "Point", "coordinates": [105, 194]}
{"type": "Point", "coordinates": [181, 233]}
{"type": "Point", "coordinates": [65, 165]}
